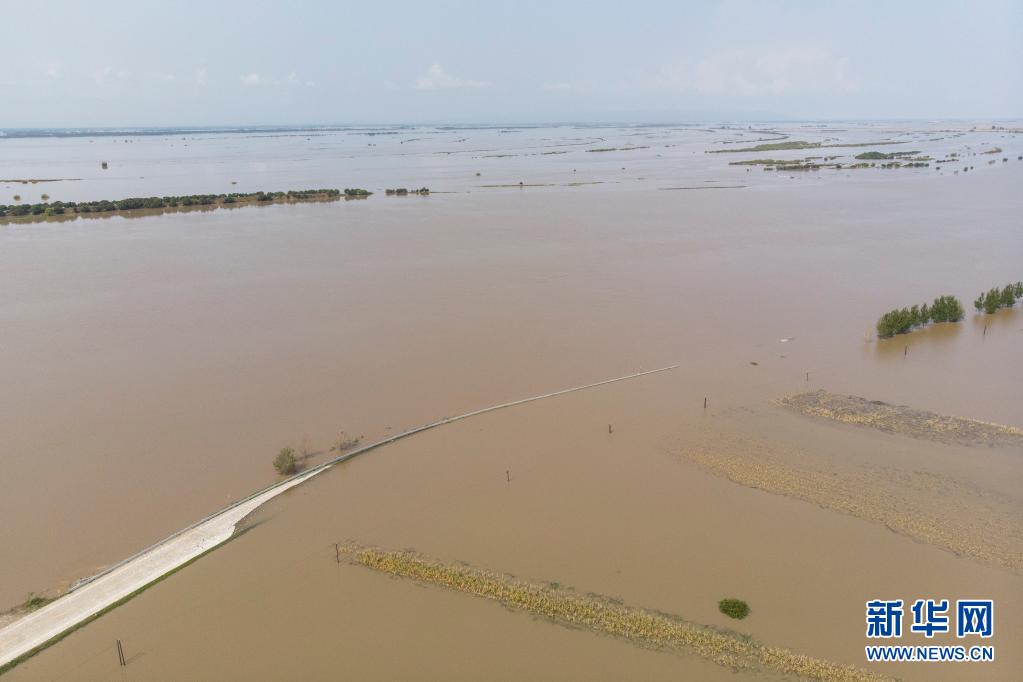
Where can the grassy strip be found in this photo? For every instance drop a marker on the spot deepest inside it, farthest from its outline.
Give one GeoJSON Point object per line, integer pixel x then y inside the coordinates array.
{"type": "Point", "coordinates": [902, 420]}
{"type": "Point", "coordinates": [797, 144]}
{"type": "Point", "coordinates": [13, 663]}
{"type": "Point", "coordinates": [615, 149]}
{"type": "Point", "coordinates": [599, 614]}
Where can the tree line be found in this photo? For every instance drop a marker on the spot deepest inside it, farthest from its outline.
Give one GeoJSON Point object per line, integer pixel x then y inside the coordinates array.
{"type": "Point", "coordinates": [946, 309]}
{"type": "Point", "coordinates": [902, 320]}
{"type": "Point", "coordinates": [134, 203]}
{"type": "Point", "coordinates": [996, 298]}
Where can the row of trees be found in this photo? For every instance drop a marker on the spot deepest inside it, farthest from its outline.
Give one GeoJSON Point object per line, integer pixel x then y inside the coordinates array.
{"type": "Point", "coordinates": [134, 203]}
{"type": "Point", "coordinates": [996, 298]}
{"type": "Point", "coordinates": [402, 191]}
{"type": "Point", "coordinates": [902, 320]}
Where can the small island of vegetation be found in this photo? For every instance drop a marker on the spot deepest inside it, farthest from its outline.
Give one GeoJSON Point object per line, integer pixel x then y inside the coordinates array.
{"type": "Point", "coordinates": [799, 144]}
{"type": "Point", "coordinates": [901, 321]}
{"type": "Point", "coordinates": [148, 205]}
{"type": "Point", "coordinates": [882, 156]}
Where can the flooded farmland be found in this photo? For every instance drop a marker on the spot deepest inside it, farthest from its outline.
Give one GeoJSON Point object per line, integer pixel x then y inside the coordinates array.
{"type": "Point", "coordinates": [153, 366]}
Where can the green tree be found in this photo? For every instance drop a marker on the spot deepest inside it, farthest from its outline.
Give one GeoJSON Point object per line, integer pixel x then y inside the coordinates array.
{"type": "Point", "coordinates": [1008, 296]}
{"type": "Point", "coordinates": [895, 322]}
{"type": "Point", "coordinates": [285, 462]}
{"type": "Point", "coordinates": [992, 300]}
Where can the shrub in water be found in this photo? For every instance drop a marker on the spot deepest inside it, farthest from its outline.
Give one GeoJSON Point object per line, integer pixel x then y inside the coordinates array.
{"type": "Point", "coordinates": [734, 608]}
{"type": "Point", "coordinates": [284, 462]}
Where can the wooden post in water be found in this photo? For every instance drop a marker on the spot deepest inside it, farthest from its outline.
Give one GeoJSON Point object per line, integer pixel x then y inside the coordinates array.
{"type": "Point", "coordinates": [905, 352]}
{"type": "Point", "coordinates": [985, 330]}
{"type": "Point", "coordinates": [807, 377]}
{"type": "Point", "coordinates": [705, 402]}
{"type": "Point", "coordinates": [337, 553]}
{"type": "Point", "coordinates": [120, 654]}
{"type": "Point", "coordinates": [507, 475]}
{"type": "Point", "coordinates": [609, 428]}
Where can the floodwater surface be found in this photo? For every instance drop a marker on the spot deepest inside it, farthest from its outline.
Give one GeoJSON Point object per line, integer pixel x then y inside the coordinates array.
{"type": "Point", "coordinates": [154, 366]}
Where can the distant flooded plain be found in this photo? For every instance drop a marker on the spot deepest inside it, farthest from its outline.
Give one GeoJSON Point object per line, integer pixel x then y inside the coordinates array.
{"type": "Point", "coordinates": [154, 366]}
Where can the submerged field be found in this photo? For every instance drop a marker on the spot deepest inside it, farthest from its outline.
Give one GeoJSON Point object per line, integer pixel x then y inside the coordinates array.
{"type": "Point", "coordinates": [157, 365]}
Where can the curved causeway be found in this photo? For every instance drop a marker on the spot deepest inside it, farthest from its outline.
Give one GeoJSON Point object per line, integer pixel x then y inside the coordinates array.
{"type": "Point", "coordinates": [93, 596]}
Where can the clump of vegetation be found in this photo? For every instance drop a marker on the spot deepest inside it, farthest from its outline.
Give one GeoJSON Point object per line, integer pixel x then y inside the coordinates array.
{"type": "Point", "coordinates": [103, 165]}
{"type": "Point", "coordinates": [996, 298]}
{"type": "Point", "coordinates": [882, 156]}
{"type": "Point", "coordinates": [903, 320]}
{"type": "Point", "coordinates": [873, 156]}
{"type": "Point", "coordinates": [734, 608]}
{"type": "Point", "coordinates": [344, 441]}
{"type": "Point", "coordinates": [285, 462]}
{"type": "Point", "coordinates": [35, 602]}
{"type": "Point", "coordinates": [356, 193]}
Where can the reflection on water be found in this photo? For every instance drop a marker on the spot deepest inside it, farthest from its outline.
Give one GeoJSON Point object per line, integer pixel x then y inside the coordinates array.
{"type": "Point", "coordinates": [940, 337]}
{"type": "Point", "coordinates": [1004, 320]}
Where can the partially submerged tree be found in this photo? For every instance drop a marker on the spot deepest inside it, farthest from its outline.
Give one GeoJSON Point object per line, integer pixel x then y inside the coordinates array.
{"type": "Point", "coordinates": [344, 441]}
{"type": "Point", "coordinates": [947, 309]}
{"type": "Point", "coordinates": [996, 298]}
{"type": "Point", "coordinates": [902, 320]}
{"type": "Point", "coordinates": [284, 462]}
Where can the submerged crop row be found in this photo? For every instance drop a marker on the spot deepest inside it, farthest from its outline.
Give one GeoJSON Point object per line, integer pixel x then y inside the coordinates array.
{"type": "Point", "coordinates": [600, 614]}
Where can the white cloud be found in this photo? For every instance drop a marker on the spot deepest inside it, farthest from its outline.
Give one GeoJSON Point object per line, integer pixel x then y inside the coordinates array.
{"type": "Point", "coordinates": [293, 79]}
{"type": "Point", "coordinates": [254, 79]}
{"type": "Point", "coordinates": [108, 73]}
{"type": "Point", "coordinates": [772, 72]}
{"type": "Point", "coordinates": [436, 79]}
{"type": "Point", "coordinates": [577, 87]}
{"type": "Point", "coordinates": [53, 70]}
{"type": "Point", "coordinates": [202, 76]}
{"type": "Point", "coordinates": [257, 79]}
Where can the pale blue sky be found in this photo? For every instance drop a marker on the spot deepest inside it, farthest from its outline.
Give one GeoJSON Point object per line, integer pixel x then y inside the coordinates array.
{"type": "Point", "coordinates": [107, 62]}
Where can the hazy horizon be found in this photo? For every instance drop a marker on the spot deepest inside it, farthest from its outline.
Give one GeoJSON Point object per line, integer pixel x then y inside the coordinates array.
{"type": "Point", "coordinates": [117, 63]}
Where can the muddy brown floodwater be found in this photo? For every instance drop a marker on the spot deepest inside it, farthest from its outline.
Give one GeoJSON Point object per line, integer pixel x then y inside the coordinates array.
{"type": "Point", "coordinates": [153, 367]}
